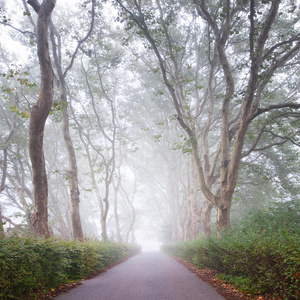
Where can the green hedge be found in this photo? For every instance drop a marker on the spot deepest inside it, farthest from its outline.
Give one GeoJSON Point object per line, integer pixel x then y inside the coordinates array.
{"type": "Point", "coordinates": [29, 267]}
{"type": "Point", "coordinates": [261, 255]}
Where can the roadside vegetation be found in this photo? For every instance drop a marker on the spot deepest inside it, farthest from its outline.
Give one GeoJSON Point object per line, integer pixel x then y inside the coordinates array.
{"type": "Point", "coordinates": [261, 254]}
{"type": "Point", "coordinates": [30, 268]}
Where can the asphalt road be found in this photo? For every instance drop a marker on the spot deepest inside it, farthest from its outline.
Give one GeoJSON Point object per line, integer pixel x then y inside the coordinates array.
{"type": "Point", "coordinates": [146, 276]}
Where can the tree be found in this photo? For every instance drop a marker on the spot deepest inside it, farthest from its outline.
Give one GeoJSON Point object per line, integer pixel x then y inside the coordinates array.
{"type": "Point", "coordinates": [39, 114]}
{"type": "Point", "coordinates": [267, 57]}
{"type": "Point", "coordinates": [218, 156]}
{"type": "Point", "coordinates": [62, 86]}
{"type": "Point", "coordinates": [99, 144]}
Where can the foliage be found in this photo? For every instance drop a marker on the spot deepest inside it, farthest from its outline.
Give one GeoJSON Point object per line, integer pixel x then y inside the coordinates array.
{"type": "Point", "coordinates": [261, 255]}
{"type": "Point", "coordinates": [29, 266]}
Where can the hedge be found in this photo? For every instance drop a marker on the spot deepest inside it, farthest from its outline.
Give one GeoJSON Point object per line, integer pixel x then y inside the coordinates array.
{"type": "Point", "coordinates": [31, 267]}
{"type": "Point", "coordinates": [260, 256]}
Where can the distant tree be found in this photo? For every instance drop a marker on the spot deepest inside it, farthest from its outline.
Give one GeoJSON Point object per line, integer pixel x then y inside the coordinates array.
{"type": "Point", "coordinates": [97, 125]}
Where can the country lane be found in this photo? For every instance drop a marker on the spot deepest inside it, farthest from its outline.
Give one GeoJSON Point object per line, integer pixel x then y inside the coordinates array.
{"type": "Point", "coordinates": [146, 276]}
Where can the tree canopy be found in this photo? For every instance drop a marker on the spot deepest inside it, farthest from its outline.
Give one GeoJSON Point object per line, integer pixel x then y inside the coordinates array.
{"type": "Point", "coordinates": [165, 117]}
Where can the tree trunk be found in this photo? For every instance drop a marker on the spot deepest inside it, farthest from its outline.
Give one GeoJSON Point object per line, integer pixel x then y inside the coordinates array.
{"type": "Point", "coordinates": [116, 214]}
{"type": "Point", "coordinates": [205, 217]}
{"type": "Point", "coordinates": [132, 223]}
{"type": "Point", "coordinates": [73, 174]}
{"type": "Point", "coordinates": [56, 211]}
{"type": "Point", "coordinates": [39, 114]}
{"type": "Point", "coordinates": [73, 171]}
{"type": "Point", "coordinates": [195, 212]}
{"type": "Point", "coordinates": [2, 234]}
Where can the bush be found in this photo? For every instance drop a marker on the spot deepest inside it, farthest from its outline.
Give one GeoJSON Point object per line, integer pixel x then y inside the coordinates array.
{"type": "Point", "coordinates": [261, 255]}
{"type": "Point", "coordinates": [29, 267]}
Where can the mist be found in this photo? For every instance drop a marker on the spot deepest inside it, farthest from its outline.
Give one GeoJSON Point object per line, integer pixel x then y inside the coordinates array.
{"type": "Point", "coordinates": [144, 107]}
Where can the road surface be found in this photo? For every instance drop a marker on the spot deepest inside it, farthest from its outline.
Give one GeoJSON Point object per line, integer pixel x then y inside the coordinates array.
{"type": "Point", "coordinates": [146, 276]}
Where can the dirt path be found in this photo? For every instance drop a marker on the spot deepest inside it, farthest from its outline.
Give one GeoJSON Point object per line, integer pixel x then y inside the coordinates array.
{"type": "Point", "coordinates": [147, 276]}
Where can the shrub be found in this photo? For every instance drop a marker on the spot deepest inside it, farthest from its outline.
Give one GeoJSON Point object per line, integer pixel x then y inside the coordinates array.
{"type": "Point", "coordinates": [261, 255]}
{"type": "Point", "coordinates": [29, 266]}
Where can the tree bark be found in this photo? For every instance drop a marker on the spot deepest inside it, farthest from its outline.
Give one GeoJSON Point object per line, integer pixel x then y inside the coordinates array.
{"type": "Point", "coordinates": [39, 115]}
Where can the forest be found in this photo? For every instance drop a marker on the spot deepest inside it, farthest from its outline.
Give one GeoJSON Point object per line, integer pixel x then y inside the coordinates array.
{"type": "Point", "coordinates": [164, 117]}
{"type": "Point", "coordinates": [147, 121]}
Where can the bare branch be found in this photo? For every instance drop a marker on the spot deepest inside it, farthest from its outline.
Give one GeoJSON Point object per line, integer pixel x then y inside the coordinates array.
{"type": "Point", "coordinates": [29, 15]}
{"type": "Point", "coordinates": [17, 29]}
{"type": "Point", "coordinates": [82, 40]}
{"type": "Point", "coordinates": [284, 140]}
{"type": "Point", "coordinates": [258, 137]}
{"type": "Point", "coordinates": [274, 47]}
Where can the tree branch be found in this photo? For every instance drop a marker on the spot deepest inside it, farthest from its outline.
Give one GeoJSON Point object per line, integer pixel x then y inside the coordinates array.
{"type": "Point", "coordinates": [35, 5]}
{"type": "Point", "coordinates": [285, 139]}
{"type": "Point", "coordinates": [17, 29]}
{"type": "Point", "coordinates": [290, 105]}
{"type": "Point", "coordinates": [82, 40]}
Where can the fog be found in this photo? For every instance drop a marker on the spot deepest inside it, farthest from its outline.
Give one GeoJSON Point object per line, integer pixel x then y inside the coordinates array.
{"type": "Point", "coordinates": [134, 117]}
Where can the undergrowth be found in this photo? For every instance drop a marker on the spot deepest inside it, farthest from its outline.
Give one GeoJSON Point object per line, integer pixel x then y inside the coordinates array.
{"type": "Point", "coordinates": [31, 267]}
{"type": "Point", "coordinates": [261, 254]}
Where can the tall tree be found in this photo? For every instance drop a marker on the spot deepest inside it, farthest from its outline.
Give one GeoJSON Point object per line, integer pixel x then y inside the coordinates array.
{"type": "Point", "coordinates": [62, 86]}
{"type": "Point", "coordinates": [39, 115]}
{"type": "Point", "coordinates": [218, 155]}
{"type": "Point", "coordinates": [99, 144]}
{"type": "Point", "coordinates": [267, 57]}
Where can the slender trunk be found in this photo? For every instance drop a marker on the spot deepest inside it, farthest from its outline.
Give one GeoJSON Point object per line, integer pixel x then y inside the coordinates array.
{"type": "Point", "coordinates": [178, 227]}
{"type": "Point", "coordinates": [104, 229]}
{"type": "Point", "coordinates": [116, 214]}
{"type": "Point", "coordinates": [39, 115]}
{"type": "Point", "coordinates": [95, 186]}
{"type": "Point", "coordinates": [62, 224]}
{"type": "Point", "coordinates": [73, 173]}
{"type": "Point", "coordinates": [188, 222]}
{"type": "Point", "coordinates": [131, 227]}
{"type": "Point", "coordinates": [73, 177]}
{"type": "Point", "coordinates": [193, 196]}
{"type": "Point", "coordinates": [117, 222]}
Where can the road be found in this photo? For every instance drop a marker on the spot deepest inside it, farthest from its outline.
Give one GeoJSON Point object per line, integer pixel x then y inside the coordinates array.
{"type": "Point", "coordinates": [146, 276]}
